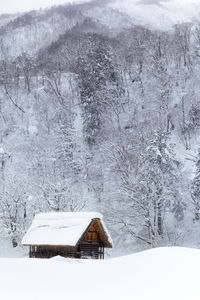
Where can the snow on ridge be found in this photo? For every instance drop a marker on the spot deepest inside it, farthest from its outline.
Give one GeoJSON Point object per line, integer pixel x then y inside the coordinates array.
{"type": "Point", "coordinates": [68, 215]}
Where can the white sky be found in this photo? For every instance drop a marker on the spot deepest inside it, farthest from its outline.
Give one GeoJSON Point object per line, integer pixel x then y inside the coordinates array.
{"type": "Point", "coordinates": [12, 6]}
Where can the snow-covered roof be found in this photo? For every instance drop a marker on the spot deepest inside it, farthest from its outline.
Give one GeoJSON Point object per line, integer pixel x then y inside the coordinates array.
{"type": "Point", "coordinates": [63, 229]}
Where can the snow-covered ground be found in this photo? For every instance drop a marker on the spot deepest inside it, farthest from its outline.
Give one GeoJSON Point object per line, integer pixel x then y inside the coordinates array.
{"type": "Point", "coordinates": [162, 273]}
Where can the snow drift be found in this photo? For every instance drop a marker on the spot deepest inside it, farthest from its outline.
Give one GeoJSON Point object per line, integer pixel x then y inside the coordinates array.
{"type": "Point", "coordinates": [162, 273]}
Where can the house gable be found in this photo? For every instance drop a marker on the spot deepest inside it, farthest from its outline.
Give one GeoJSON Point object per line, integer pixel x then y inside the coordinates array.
{"type": "Point", "coordinates": [95, 233]}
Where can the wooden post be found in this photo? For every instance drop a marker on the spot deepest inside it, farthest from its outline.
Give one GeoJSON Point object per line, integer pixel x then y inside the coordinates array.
{"type": "Point", "coordinates": [29, 251]}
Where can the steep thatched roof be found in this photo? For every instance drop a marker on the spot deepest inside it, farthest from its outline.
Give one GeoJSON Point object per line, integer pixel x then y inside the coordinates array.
{"type": "Point", "coordinates": [65, 229]}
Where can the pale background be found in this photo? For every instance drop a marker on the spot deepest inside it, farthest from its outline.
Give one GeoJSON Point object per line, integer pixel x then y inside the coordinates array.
{"type": "Point", "coordinates": [10, 6]}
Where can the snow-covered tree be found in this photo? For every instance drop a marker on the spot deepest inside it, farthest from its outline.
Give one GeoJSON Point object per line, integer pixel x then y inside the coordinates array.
{"type": "Point", "coordinates": [152, 192]}
{"type": "Point", "coordinates": [97, 74]}
{"type": "Point", "coordinates": [195, 189]}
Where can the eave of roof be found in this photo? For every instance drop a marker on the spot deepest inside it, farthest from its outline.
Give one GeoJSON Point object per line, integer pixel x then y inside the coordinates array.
{"type": "Point", "coordinates": [45, 245]}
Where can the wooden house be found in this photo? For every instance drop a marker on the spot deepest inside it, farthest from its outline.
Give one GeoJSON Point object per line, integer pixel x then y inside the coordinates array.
{"type": "Point", "coordinates": [76, 235]}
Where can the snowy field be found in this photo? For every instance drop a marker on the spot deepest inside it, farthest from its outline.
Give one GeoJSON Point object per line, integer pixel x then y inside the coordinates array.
{"type": "Point", "coordinates": [163, 273]}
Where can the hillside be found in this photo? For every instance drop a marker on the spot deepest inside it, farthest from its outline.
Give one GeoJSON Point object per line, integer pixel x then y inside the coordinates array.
{"type": "Point", "coordinates": [31, 31]}
{"type": "Point", "coordinates": [98, 112]}
{"type": "Point", "coordinates": [159, 14]}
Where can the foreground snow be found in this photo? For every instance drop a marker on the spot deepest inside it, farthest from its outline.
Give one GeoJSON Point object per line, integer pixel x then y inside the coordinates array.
{"type": "Point", "coordinates": [163, 273]}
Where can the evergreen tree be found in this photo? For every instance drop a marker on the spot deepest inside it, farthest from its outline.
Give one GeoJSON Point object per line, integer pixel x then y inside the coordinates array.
{"type": "Point", "coordinates": [97, 74]}
{"type": "Point", "coordinates": [67, 149]}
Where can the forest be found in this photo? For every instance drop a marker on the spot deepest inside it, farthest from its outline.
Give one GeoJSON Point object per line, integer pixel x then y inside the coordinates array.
{"type": "Point", "coordinates": [100, 117]}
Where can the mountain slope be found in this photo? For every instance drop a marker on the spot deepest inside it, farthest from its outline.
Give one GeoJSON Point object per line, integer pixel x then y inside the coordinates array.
{"type": "Point", "coordinates": [161, 15]}
{"type": "Point", "coordinates": [96, 120]}
{"type": "Point", "coordinates": [38, 29]}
